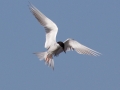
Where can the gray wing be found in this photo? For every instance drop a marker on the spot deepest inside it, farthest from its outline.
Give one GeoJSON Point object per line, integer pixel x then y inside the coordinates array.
{"type": "Point", "coordinates": [50, 27]}
{"type": "Point", "coordinates": [71, 44]}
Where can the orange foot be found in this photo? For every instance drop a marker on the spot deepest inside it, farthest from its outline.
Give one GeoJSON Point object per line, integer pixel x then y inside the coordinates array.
{"type": "Point", "coordinates": [48, 58]}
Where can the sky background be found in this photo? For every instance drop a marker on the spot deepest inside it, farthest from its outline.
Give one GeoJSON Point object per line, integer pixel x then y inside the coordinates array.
{"type": "Point", "coordinates": [94, 23]}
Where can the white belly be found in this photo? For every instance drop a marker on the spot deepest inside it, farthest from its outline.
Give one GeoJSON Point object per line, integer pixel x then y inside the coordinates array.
{"type": "Point", "coordinates": [53, 48]}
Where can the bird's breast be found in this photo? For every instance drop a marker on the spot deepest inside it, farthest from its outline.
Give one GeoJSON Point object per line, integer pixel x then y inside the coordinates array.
{"type": "Point", "coordinates": [53, 48]}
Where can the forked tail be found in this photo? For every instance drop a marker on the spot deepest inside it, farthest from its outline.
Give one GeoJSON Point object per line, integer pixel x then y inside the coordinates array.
{"type": "Point", "coordinates": [46, 57]}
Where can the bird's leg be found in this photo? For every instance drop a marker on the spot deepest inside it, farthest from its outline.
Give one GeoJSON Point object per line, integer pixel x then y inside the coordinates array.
{"type": "Point", "coordinates": [48, 58]}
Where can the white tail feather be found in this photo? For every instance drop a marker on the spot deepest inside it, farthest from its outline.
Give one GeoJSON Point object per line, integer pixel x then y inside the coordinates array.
{"type": "Point", "coordinates": [43, 56]}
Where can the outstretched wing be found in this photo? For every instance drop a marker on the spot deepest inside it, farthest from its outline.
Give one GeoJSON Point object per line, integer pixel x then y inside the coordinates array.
{"type": "Point", "coordinates": [71, 44]}
{"type": "Point", "coordinates": [50, 27]}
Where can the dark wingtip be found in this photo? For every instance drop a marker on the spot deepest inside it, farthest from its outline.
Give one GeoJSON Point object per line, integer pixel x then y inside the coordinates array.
{"type": "Point", "coordinates": [29, 3]}
{"type": "Point", "coordinates": [34, 53]}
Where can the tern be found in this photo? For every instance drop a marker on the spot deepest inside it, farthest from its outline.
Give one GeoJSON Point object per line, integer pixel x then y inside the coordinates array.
{"type": "Point", "coordinates": [55, 48]}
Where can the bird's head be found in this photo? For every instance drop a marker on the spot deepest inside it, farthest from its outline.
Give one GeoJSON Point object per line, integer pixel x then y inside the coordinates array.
{"type": "Point", "coordinates": [62, 45]}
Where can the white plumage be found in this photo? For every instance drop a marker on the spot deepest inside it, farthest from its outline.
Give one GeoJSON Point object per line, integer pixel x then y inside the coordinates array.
{"type": "Point", "coordinates": [51, 28]}
{"type": "Point", "coordinates": [71, 44]}
{"type": "Point", "coordinates": [55, 48]}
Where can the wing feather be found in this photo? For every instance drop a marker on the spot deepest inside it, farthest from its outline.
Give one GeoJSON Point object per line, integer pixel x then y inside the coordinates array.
{"type": "Point", "coordinates": [79, 48]}
{"type": "Point", "coordinates": [51, 28]}
{"type": "Point", "coordinates": [71, 44]}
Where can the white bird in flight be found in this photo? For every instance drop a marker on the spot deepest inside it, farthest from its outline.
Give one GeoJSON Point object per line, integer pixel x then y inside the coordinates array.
{"type": "Point", "coordinates": [55, 48]}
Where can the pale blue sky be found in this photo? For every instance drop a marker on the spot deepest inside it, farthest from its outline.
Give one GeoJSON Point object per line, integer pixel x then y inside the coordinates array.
{"type": "Point", "coordinates": [94, 23]}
